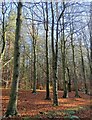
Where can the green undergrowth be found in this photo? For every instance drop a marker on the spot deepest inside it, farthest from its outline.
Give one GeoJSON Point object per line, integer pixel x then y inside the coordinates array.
{"type": "Point", "coordinates": [69, 114]}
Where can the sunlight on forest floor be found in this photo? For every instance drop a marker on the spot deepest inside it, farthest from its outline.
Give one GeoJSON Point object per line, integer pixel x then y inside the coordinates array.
{"type": "Point", "coordinates": [32, 104]}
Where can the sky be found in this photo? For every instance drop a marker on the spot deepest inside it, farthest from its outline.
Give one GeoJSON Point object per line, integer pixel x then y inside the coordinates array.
{"type": "Point", "coordinates": [46, 0]}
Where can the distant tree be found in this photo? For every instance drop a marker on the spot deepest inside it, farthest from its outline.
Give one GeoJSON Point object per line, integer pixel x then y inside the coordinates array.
{"type": "Point", "coordinates": [69, 78]}
{"type": "Point", "coordinates": [34, 53]}
{"type": "Point", "coordinates": [86, 41]}
{"type": "Point", "coordinates": [83, 66]}
{"type": "Point", "coordinates": [74, 67]}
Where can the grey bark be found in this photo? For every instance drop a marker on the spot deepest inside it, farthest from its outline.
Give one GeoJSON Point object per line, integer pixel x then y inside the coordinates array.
{"type": "Point", "coordinates": [69, 79]}
{"type": "Point", "coordinates": [34, 52]}
{"type": "Point", "coordinates": [65, 94]}
{"type": "Point", "coordinates": [12, 105]}
{"type": "Point", "coordinates": [83, 68]}
{"type": "Point", "coordinates": [73, 58]}
{"type": "Point", "coordinates": [47, 63]}
{"type": "Point", "coordinates": [74, 68]}
{"type": "Point", "coordinates": [90, 48]}
{"type": "Point", "coordinates": [54, 64]}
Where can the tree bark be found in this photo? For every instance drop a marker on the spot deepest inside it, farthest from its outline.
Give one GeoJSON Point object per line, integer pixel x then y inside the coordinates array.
{"type": "Point", "coordinates": [34, 52]}
{"type": "Point", "coordinates": [3, 44]}
{"type": "Point", "coordinates": [54, 64]}
{"type": "Point", "coordinates": [83, 68]}
{"type": "Point", "coordinates": [90, 48]}
{"type": "Point", "coordinates": [63, 51]}
{"type": "Point", "coordinates": [65, 95]}
{"type": "Point", "coordinates": [12, 105]}
{"type": "Point", "coordinates": [74, 68]}
{"type": "Point", "coordinates": [47, 63]}
{"type": "Point", "coordinates": [69, 81]}
{"type": "Point", "coordinates": [3, 31]}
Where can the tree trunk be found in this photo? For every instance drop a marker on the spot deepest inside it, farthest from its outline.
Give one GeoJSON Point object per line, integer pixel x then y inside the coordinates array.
{"type": "Point", "coordinates": [74, 68]}
{"type": "Point", "coordinates": [65, 94]}
{"type": "Point", "coordinates": [69, 81]}
{"type": "Point", "coordinates": [90, 48]}
{"type": "Point", "coordinates": [34, 82]}
{"type": "Point", "coordinates": [3, 32]}
{"type": "Point", "coordinates": [54, 64]}
{"type": "Point", "coordinates": [3, 44]}
{"type": "Point", "coordinates": [47, 64]}
{"type": "Point", "coordinates": [12, 105]}
{"type": "Point", "coordinates": [73, 58]}
{"type": "Point", "coordinates": [34, 52]}
{"type": "Point", "coordinates": [83, 68]}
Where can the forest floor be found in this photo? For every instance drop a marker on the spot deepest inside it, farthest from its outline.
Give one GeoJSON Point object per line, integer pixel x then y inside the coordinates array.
{"type": "Point", "coordinates": [34, 106]}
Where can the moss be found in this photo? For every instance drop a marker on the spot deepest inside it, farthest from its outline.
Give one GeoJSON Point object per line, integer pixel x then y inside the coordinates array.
{"type": "Point", "coordinates": [72, 117]}
{"type": "Point", "coordinates": [26, 118]}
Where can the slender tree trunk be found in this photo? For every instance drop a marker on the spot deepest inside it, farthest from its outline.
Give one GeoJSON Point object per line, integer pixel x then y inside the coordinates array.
{"type": "Point", "coordinates": [74, 68]}
{"type": "Point", "coordinates": [3, 44]}
{"type": "Point", "coordinates": [69, 81]}
{"type": "Point", "coordinates": [63, 52]}
{"type": "Point", "coordinates": [54, 67]}
{"type": "Point", "coordinates": [34, 52]}
{"type": "Point", "coordinates": [88, 51]}
{"type": "Point", "coordinates": [34, 82]}
{"type": "Point", "coordinates": [73, 58]}
{"type": "Point", "coordinates": [3, 32]}
{"type": "Point", "coordinates": [90, 48]}
{"type": "Point", "coordinates": [65, 95]}
{"type": "Point", "coordinates": [47, 70]}
{"type": "Point", "coordinates": [12, 105]}
{"type": "Point", "coordinates": [47, 63]}
{"type": "Point", "coordinates": [83, 68]}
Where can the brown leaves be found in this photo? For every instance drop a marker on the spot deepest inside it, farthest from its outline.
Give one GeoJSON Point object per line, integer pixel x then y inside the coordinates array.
{"type": "Point", "coordinates": [32, 104]}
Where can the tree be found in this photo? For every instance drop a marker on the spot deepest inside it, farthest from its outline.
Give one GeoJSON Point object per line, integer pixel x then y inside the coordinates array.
{"type": "Point", "coordinates": [54, 62]}
{"type": "Point", "coordinates": [83, 67]}
{"type": "Point", "coordinates": [90, 47]}
{"type": "Point", "coordinates": [47, 63]}
{"type": "Point", "coordinates": [3, 30]}
{"type": "Point", "coordinates": [34, 52]}
{"type": "Point", "coordinates": [69, 79]}
{"type": "Point", "coordinates": [3, 39]}
{"type": "Point", "coordinates": [63, 51]}
{"type": "Point", "coordinates": [55, 51]}
{"type": "Point", "coordinates": [74, 67]}
{"type": "Point", "coordinates": [12, 105]}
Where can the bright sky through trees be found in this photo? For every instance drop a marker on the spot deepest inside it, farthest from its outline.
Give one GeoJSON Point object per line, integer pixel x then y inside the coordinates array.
{"type": "Point", "coordinates": [45, 0]}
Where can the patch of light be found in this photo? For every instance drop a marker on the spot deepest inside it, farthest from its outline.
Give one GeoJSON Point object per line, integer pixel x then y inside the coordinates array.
{"type": "Point", "coordinates": [46, 0]}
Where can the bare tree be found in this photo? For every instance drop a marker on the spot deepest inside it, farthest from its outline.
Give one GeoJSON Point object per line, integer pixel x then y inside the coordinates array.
{"type": "Point", "coordinates": [90, 30]}
{"type": "Point", "coordinates": [54, 64]}
{"type": "Point", "coordinates": [3, 30]}
{"type": "Point", "coordinates": [74, 67]}
{"type": "Point", "coordinates": [63, 51]}
{"type": "Point", "coordinates": [47, 63]}
{"type": "Point", "coordinates": [55, 53]}
{"type": "Point", "coordinates": [34, 52]}
{"type": "Point", "coordinates": [3, 41]}
{"type": "Point", "coordinates": [12, 105]}
{"type": "Point", "coordinates": [83, 66]}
